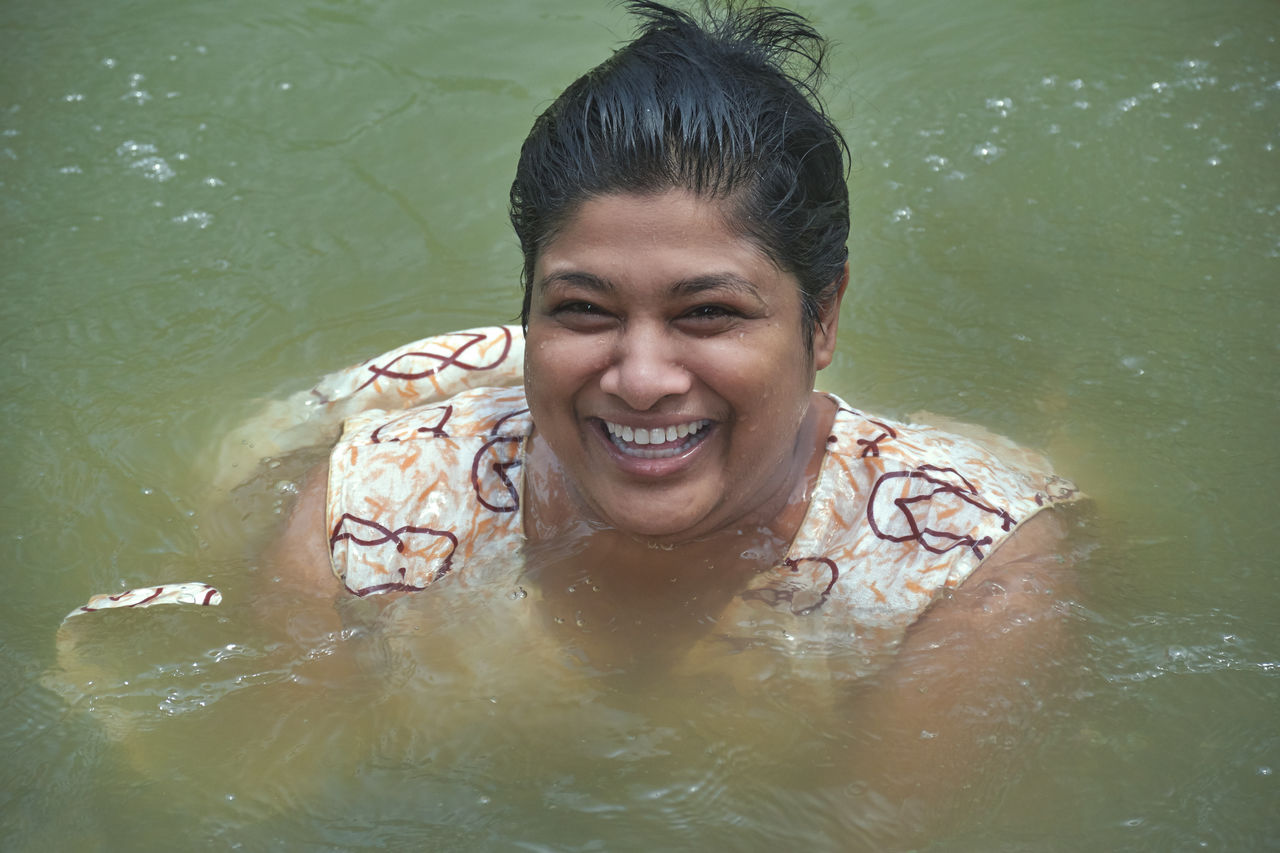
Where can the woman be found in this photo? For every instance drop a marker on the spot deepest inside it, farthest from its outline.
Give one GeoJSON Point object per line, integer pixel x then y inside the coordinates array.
{"type": "Point", "coordinates": [642, 480]}
{"type": "Point", "coordinates": [683, 213]}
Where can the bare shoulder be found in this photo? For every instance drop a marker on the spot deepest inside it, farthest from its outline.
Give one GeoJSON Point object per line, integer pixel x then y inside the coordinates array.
{"type": "Point", "coordinates": [300, 554]}
{"type": "Point", "coordinates": [1020, 589]}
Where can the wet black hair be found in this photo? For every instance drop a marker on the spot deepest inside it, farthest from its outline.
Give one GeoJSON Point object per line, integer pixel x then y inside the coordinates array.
{"type": "Point", "coordinates": [727, 108]}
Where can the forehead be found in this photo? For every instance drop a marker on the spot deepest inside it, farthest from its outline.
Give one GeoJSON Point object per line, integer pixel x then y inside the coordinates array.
{"type": "Point", "coordinates": [672, 233]}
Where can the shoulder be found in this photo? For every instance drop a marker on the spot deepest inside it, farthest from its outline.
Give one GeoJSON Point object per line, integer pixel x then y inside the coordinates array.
{"type": "Point", "coordinates": [902, 512]}
{"type": "Point", "coordinates": [478, 412]}
{"type": "Point", "coordinates": [961, 458]}
{"type": "Point", "coordinates": [415, 495]}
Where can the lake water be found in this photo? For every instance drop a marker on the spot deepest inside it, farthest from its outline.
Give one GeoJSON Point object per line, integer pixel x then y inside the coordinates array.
{"type": "Point", "coordinates": [1066, 228]}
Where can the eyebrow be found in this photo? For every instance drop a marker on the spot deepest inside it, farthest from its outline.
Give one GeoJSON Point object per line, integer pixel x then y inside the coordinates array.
{"type": "Point", "coordinates": [725, 281]}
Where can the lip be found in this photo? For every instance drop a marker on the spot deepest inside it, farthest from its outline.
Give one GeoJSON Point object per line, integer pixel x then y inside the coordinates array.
{"type": "Point", "coordinates": [659, 466]}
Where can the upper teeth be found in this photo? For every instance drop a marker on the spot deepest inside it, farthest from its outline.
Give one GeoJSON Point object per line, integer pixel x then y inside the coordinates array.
{"type": "Point", "coordinates": [657, 435]}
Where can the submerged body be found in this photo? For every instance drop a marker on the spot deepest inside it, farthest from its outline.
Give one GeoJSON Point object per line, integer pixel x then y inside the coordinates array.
{"type": "Point", "coordinates": [683, 215]}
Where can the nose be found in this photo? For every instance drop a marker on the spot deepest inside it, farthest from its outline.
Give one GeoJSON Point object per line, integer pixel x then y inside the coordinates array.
{"type": "Point", "coordinates": [644, 370]}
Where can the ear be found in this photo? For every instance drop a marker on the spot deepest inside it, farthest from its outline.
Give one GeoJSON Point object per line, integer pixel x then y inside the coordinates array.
{"type": "Point", "coordinates": [824, 335]}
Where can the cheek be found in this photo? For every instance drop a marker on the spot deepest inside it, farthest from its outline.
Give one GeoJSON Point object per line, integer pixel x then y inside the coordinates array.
{"type": "Point", "coordinates": [554, 370]}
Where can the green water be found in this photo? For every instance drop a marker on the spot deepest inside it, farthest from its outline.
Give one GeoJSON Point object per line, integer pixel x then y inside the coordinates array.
{"type": "Point", "coordinates": [1066, 227]}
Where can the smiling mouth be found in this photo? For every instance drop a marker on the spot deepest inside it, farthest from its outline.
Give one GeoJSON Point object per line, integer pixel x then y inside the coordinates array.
{"type": "Point", "coordinates": [659, 442]}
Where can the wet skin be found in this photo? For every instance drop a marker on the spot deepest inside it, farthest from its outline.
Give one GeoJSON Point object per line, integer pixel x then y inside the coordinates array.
{"type": "Point", "coordinates": [668, 375]}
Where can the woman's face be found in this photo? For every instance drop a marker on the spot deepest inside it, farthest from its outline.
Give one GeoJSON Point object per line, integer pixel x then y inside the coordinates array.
{"type": "Point", "coordinates": [666, 366]}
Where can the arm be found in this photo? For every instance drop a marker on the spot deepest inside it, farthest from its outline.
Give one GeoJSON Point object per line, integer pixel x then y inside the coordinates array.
{"type": "Point", "coordinates": [300, 556]}
{"type": "Point", "coordinates": [424, 371]}
{"type": "Point", "coordinates": [966, 685]}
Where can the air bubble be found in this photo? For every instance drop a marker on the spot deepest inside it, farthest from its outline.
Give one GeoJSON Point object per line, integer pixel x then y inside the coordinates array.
{"type": "Point", "coordinates": [199, 218]}
{"type": "Point", "coordinates": [936, 162]}
{"type": "Point", "coordinates": [129, 148]}
{"type": "Point", "coordinates": [1001, 106]}
{"type": "Point", "coordinates": [987, 152]}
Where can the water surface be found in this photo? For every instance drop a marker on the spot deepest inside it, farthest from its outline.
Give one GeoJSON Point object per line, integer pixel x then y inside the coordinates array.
{"type": "Point", "coordinates": [1066, 228]}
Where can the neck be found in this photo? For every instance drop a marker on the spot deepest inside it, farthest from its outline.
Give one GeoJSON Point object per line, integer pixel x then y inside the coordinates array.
{"type": "Point", "coordinates": [609, 588]}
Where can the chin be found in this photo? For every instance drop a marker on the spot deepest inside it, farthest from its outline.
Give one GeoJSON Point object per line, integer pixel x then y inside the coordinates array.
{"type": "Point", "coordinates": [671, 529]}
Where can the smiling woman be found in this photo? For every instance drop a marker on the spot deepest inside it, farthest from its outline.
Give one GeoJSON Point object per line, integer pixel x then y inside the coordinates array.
{"type": "Point", "coordinates": [682, 212]}
{"type": "Point", "coordinates": [683, 216]}
{"type": "Point", "coordinates": [650, 316]}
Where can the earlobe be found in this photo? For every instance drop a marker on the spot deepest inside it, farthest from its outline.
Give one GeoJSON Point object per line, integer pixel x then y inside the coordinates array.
{"type": "Point", "coordinates": [824, 339]}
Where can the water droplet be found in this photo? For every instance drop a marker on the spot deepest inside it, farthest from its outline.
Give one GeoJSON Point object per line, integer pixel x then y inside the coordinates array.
{"type": "Point", "coordinates": [518, 593]}
{"type": "Point", "coordinates": [987, 152]}
{"type": "Point", "coordinates": [199, 218]}
{"type": "Point", "coordinates": [153, 168]}
{"type": "Point", "coordinates": [129, 148]}
{"type": "Point", "coordinates": [936, 162]}
{"type": "Point", "coordinates": [148, 491]}
{"type": "Point", "coordinates": [1001, 106]}
{"type": "Point", "coordinates": [902, 214]}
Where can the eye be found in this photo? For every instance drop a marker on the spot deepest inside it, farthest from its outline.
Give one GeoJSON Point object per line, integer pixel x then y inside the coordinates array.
{"type": "Point", "coordinates": [580, 315]}
{"type": "Point", "coordinates": [586, 309]}
{"type": "Point", "coordinates": [712, 314]}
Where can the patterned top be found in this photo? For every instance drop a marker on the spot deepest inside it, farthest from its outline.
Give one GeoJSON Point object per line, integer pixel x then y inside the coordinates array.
{"type": "Point", "coordinates": [899, 513]}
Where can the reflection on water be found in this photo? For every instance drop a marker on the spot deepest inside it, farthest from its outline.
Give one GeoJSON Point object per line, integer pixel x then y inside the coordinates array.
{"type": "Point", "coordinates": [1067, 225]}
